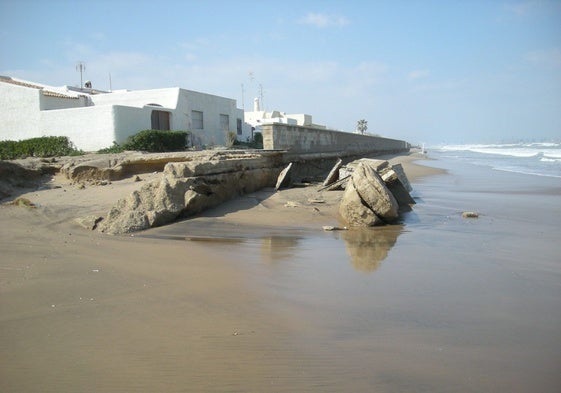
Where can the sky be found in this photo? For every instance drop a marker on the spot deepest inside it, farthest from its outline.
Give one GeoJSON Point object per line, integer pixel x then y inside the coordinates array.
{"type": "Point", "coordinates": [423, 71]}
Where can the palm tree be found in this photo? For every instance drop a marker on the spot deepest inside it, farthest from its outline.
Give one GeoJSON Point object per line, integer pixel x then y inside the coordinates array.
{"type": "Point", "coordinates": [362, 126]}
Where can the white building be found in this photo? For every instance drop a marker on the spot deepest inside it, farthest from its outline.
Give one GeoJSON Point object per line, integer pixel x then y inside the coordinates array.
{"type": "Point", "coordinates": [259, 117]}
{"type": "Point", "coordinates": [94, 119]}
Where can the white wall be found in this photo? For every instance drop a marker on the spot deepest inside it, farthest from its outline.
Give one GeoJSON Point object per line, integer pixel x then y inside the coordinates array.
{"type": "Point", "coordinates": [212, 107]}
{"type": "Point", "coordinates": [129, 121]}
{"type": "Point", "coordinates": [19, 112]}
{"type": "Point", "coordinates": [90, 128]}
{"type": "Point", "coordinates": [95, 121]}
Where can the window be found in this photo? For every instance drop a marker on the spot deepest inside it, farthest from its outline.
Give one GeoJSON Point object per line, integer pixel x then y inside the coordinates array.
{"type": "Point", "coordinates": [197, 120]}
{"type": "Point", "coordinates": [160, 120]}
{"type": "Point", "coordinates": [224, 122]}
{"type": "Point", "coordinates": [239, 124]}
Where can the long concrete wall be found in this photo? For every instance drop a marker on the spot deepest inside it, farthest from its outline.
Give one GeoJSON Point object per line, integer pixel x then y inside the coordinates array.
{"type": "Point", "coordinates": [298, 139]}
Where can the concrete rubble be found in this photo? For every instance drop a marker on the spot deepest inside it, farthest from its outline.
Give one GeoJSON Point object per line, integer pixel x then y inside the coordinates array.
{"type": "Point", "coordinates": [375, 192]}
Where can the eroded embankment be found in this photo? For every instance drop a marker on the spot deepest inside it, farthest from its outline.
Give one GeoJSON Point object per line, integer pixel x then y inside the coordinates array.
{"type": "Point", "coordinates": [181, 184]}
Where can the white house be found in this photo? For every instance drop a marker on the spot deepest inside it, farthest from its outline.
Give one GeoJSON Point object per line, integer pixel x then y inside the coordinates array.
{"type": "Point", "coordinates": [258, 118]}
{"type": "Point", "coordinates": [94, 119]}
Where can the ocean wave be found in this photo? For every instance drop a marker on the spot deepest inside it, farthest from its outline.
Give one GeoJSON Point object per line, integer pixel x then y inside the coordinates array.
{"type": "Point", "coordinates": [520, 150]}
{"type": "Point", "coordinates": [546, 159]}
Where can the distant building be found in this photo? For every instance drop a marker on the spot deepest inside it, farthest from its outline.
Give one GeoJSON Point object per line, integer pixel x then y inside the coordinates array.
{"type": "Point", "coordinates": [258, 118]}
{"type": "Point", "coordinates": [93, 119]}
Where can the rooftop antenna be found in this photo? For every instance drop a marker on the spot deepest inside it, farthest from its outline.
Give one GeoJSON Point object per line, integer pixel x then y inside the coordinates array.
{"type": "Point", "coordinates": [81, 66]}
{"type": "Point", "coordinates": [261, 96]}
{"type": "Point", "coordinates": [243, 100]}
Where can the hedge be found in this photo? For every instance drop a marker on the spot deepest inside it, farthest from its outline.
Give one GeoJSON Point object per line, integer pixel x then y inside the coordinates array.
{"type": "Point", "coordinates": [46, 146]}
{"type": "Point", "coordinates": [157, 141]}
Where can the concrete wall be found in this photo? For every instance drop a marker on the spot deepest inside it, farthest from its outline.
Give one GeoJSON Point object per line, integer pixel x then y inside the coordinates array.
{"type": "Point", "coordinates": [297, 139]}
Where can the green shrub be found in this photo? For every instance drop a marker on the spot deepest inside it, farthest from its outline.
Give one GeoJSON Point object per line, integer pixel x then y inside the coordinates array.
{"type": "Point", "coordinates": [157, 141]}
{"type": "Point", "coordinates": [116, 148]}
{"type": "Point", "coordinates": [258, 139]}
{"type": "Point", "coordinates": [47, 146]}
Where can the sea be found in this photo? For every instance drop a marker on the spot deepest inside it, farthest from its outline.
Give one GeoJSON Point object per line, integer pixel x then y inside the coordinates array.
{"type": "Point", "coordinates": [540, 159]}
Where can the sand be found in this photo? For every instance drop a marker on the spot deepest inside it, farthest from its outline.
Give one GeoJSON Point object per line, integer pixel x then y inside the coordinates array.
{"type": "Point", "coordinates": [255, 296]}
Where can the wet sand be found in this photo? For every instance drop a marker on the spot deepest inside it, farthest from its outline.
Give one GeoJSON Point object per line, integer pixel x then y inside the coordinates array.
{"type": "Point", "coordinates": [254, 296]}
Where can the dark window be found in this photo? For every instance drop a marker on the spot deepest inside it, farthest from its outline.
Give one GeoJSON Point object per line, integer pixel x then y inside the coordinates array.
{"type": "Point", "coordinates": [240, 126]}
{"type": "Point", "coordinates": [160, 120]}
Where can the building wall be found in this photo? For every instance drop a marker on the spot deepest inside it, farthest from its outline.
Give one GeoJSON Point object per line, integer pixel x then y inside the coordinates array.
{"type": "Point", "coordinates": [89, 128]}
{"type": "Point", "coordinates": [212, 107]}
{"type": "Point", "coordinates": [19, 112]}
{"type": "Point", "coordinates": [129, 121]}
{"type": "Point", "coordinates": [95, 121]}
{"type": "Point", "coordinates": [298, 139]}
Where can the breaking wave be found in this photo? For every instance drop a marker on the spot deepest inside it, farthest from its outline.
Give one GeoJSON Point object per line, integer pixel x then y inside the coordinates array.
{"type": "Point", "coordinates": [543, 159]}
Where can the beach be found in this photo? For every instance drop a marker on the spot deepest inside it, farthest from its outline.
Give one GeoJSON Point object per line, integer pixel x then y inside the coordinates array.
{"type": "Point", "coordinates": [254, 296]}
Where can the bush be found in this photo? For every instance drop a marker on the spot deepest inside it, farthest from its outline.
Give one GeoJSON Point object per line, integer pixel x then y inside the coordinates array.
{"type": "Point", "coordinates": [157, 141]}
{"type": "Point", "coordinates": [258, 139]}
{"type": "Point", "coordinates": [231, 139]}
{"type": "Point", "coordinates": [116, 148]}
{"type": "Point", "coordinates": [47, 146]}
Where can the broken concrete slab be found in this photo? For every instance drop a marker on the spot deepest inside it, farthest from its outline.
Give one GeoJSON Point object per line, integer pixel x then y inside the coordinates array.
{"type": "Point", "coordinates": [333, 175]}
{"type": "Point", "coordinates": [396, 187]}
{"type": "Point", "coordinates": [373, 191]}
{"type": "Point", "coordinates": [284, 178]}
{"type": "Point", "coordinates": [354, 211]}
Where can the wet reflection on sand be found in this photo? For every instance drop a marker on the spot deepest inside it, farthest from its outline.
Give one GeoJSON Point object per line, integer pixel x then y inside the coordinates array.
{"type": "Point", "coordinates": [368, 247]}
{"type": "Point", "coordinates": [278, 248]}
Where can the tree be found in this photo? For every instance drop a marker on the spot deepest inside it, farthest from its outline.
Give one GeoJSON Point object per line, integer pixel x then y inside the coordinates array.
{"type": "Point", "coordinates": [362, 126]}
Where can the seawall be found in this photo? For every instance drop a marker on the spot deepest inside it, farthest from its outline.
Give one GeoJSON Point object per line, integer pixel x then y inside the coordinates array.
{"type": "Point", "coordinates": [299, 139]}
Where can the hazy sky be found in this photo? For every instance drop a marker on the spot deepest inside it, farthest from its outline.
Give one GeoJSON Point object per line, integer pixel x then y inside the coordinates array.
{"type": "Point", "coordinates": [423, 71]}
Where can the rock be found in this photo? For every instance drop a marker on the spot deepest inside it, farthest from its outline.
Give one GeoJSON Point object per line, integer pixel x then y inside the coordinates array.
{"type": "Point", "coordinates": [22, 202]}
{"type": "Point", "coordinates": [88, 222]}
{"type": "Point", "coordinates": [373, 192]}
{"type": "Point", "coordinates": [353, 210]}
{"type": "Point", "coordinates": [333, 228]}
